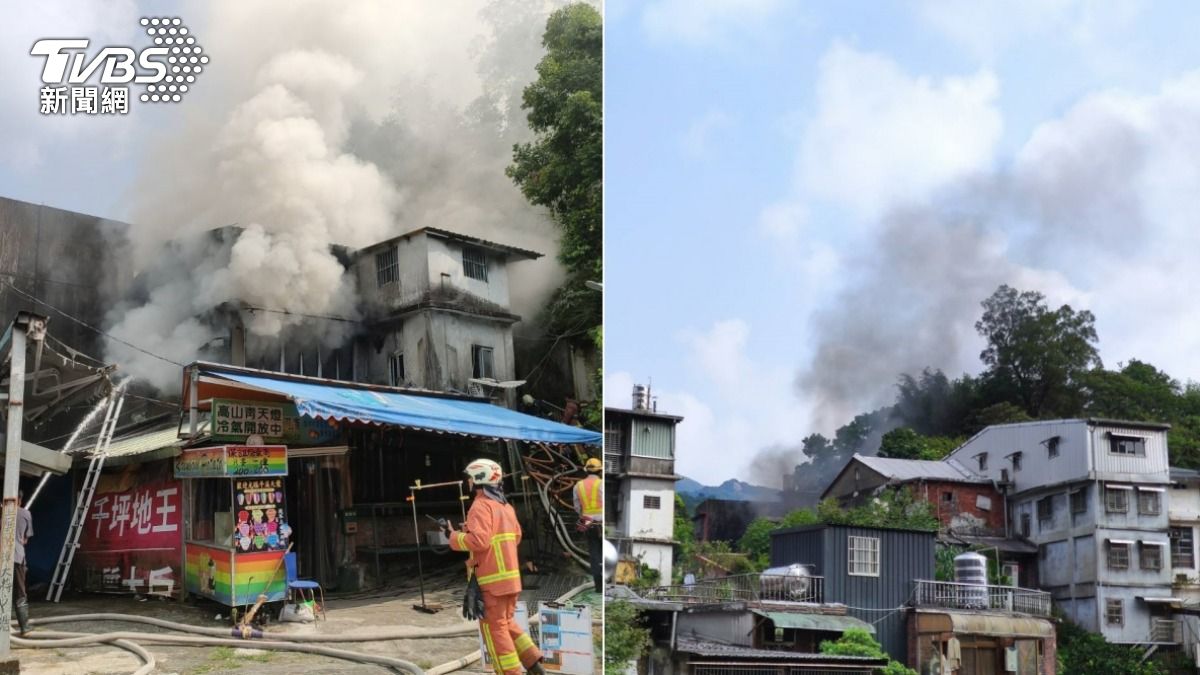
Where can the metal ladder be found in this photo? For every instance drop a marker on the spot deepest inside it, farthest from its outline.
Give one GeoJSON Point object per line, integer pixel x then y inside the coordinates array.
{"type": "Point", "coordinates": [108, 428]}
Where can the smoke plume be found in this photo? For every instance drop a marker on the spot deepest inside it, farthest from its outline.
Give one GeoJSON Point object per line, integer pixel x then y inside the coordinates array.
{"type": "Point", "coordinates": [317, 125]}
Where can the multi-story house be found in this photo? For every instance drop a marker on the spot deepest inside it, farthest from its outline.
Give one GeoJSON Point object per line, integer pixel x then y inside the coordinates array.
{"type": "Point", "coordinates": [1091, 495]}
{"type": "Point", "coordinates": [639, 483]}
{"type": "Point", "coordinates": [1183, 513]}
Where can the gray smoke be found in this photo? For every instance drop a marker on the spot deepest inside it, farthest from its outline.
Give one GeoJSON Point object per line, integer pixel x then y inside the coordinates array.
{"type": "Point", "coordinates": [317, 125]}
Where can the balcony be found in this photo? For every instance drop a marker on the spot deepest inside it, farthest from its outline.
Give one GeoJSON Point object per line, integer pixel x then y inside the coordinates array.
{"type": "Point", "coordinates": [1165, 631]}
{"type": "Point", "coordinates": [753, 588]}
{"type": "Point", "coordinates": [951, 595]}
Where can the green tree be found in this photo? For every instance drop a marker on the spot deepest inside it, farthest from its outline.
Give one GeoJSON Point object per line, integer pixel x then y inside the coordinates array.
{"type": "Point", "coordinates": [625, 637]}
{"type": "Point", "coordinates": [562, 168]}
{"type": "Point", "coordinates": [685, 537]}
{"type": "Point", "coordinates": [756, 541]}
{"type": "Point", "coordinates": [858, 642]}
{"type": "Point", "coordinates": [1036, 355]}
{"type": "Point", "coordinates": [1084, 653]}
{"type": "Point", "coordinates": [902, 443]}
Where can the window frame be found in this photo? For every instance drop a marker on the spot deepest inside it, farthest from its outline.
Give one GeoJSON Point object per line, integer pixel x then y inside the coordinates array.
{"type": "Point", "coordinates": [387, 267]}
{"type": "Point", "coordinates": [1157, 500]}
{"type": "Point", "coordinates": [1117, 441]}
{"type": "Point", "coordinates": [1112, 618]}
{"type": "Point", "coordinates": [1177, 534]}
{"type": "Point", "coordinates": [397, 376]}
{"type": "Point", "coordinates": [982, 459]}
{"type": "Point", "coordinates": [647, 500]}
{"type": "Point", "coordinates": [475, 263]}
{"type": "Point", "coordinates": [1114, 562]}
{"type": "Point", "coordinates": [1026, 525]}
{"type": "Point", "coordinates": [1142, 558]}
{"type": "Point", "coordinates": [1045, 509]}
{"type": "Point", "coordinates": [1110, 506]}
{"type": "Point", "coordinates": [476, 352]}
{"type": "Point", "coordinates": [1052, 444]}
{"type": "Point", "coordinates": [856, 548]}
{"type": "Point", "coordinates": [1079, 501]}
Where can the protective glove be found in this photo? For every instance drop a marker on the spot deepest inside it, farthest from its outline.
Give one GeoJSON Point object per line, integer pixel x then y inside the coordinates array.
{"type": "Point", "coordinates": [473, 601]}
{"type": "Point", "coordinates": [445, 525]}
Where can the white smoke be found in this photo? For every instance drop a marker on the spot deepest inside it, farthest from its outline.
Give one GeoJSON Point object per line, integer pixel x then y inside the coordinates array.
{"type": "Point", "coordinates": [318, 124]}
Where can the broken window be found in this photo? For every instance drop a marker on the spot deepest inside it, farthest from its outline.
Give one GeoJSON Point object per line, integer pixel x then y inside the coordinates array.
{"type": "Point", "coordinates": [475, 263]}
{"type": "Point", "coordinates": [387, 267]}
{"type": "Point", "coordinates": [481, 362]}
{"type": "Point", "coordinates": [396, 375]}
{"type": "Point", "coordinates": [1016, 461]}
{"type": "Point", "coordinates": [1052, 446]}
{"type": "Point", "coordinates": [982, 457]}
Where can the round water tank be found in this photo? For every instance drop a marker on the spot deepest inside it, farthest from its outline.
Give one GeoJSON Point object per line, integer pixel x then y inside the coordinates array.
{"type": "Point", "coordinates": [970, 569]}
{"type": "Point", "coordinates": [788, 582]}
{"type": "Point", "coordinates": [610, 559]}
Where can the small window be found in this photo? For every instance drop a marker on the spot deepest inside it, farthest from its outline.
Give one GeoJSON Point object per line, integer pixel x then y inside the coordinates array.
{"type": "Point", "coordinates": [474, 263]}
{"type": "Point", "coordinates": [387, 267]}
{"type": "Point", "coordinates": [651, 502]}
{"type": "Point", "coordinates": [1079, 501]}
{"type": "Point", "coordinates": [1016, 461]}
{"type": "Point", "coordinates": [1151, 556]}
{"type": "Point", "coordinates": [1127, 445]}
{"type": "Point", "coordinates": [947, 498]}
{"type": "Point", "coordinates": [481, 362]}
{"type": "Point", "coordinates": [1052, 446]}
{"type": "Point", "coordinates": [864, 556]}
{"type": "Point", "coordinates": [1149, 503]}
{"type": "Point", "coordinates": [1114, 612]}
{"type": "Point", "coordinates": [1183, 553]}
{"type": "Point", "coordinates": [982, 457]}
{"type": "Point", "coordinates": [1118, 555]}
{"type": "Point", "coordinates": [1025, 524]}
{"type": "Point", "coordinates": [1116, 501]}
{"type": "Point", "coordinates": [396, 375]}
{"type": "Point", "coordinates": [1045, 509]}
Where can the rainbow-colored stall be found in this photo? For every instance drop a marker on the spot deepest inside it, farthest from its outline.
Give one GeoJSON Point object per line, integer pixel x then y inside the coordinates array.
{"type": "Point", "coordinates": [237, 528]}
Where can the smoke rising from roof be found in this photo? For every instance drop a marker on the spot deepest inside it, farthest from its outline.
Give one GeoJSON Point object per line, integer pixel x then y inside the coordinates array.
{"type": "Point", "coordinates": [317, 125]}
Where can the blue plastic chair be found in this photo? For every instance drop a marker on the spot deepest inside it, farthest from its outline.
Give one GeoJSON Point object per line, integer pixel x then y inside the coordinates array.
{"type": "Point", "coordinates": [294, 583]}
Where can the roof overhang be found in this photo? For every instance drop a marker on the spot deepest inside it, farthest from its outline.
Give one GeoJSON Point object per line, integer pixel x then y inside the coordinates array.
{"type": "Point", "coordinates": [832, 623]}
{"type": "Point", "coordinates": [36, 460]}
{"type": "Point", "coordinates": [995, 625]}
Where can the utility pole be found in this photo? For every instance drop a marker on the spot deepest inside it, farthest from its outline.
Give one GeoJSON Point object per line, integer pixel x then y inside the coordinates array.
{"type": "Point", "coordinates": [25, 327]}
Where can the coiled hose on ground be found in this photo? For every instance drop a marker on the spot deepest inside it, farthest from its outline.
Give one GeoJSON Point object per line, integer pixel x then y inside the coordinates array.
{"type": "Point", "coordinates": [217, 637]}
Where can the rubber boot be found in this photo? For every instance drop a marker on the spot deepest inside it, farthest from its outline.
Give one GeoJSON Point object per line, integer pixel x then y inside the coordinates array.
{"type": "Point", "coordinates": [536, 669]}
{"type": "Point", "coordinates": [22, 611]}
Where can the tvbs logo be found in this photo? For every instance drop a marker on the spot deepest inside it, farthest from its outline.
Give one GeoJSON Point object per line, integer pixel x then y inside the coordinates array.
{"type": "Point", "coordinates": [167, 69]}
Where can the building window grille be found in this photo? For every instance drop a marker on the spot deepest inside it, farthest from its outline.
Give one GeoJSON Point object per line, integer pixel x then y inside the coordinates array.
{"type": "Point", "coordinates": [864, 556]}
{"type": "Point", "coordinates": [651, 502]}
{"type": "Point", "coordinates": [387, 267]}
{"type": "Point", "coordinates": [1025, 525]}
{"type": "Point", "coordinates": [474, 263]}
{"type": "Point", "coordinates": [612, 440]}
{"type": "Point", "coordinates": [1079, 501]}
{"type": "Point", "coordinates": [1183, 552]}
{"type": "Point", "coordinates": [1149, 503]}
{"type": "Point", "coordinates": [481, 362]}
{"type": "Point", "coordinates": [1127, 445]}
{"type": "Point", "coordinates": [1114, 612]}
{"type": "Point", "coordinates": [1151, 556]}
{"type": "Point", "coordinates": [396, 375]}
{"type": "Point", "coordinates": [1045, 509]}
{"type": "Point", "coordinates": [1118, 555]}
{"type": "Point", "coordinates": [1116, 501]}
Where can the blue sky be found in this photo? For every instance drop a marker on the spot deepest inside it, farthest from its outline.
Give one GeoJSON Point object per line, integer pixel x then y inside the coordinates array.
{"type": "Point", "coordinates": [804, 200]}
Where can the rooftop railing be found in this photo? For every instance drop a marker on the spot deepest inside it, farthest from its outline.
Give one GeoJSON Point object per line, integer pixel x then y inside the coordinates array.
{"type": "Point", "coordinates": [952, 595]}
{"type": "Point", "coordinates": [745, 588]}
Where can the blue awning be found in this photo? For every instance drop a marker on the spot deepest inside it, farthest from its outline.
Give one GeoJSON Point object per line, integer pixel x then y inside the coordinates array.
{"type": "Point", "coordinates": [415, 411]}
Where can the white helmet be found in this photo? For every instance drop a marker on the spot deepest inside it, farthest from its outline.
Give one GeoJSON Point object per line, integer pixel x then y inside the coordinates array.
{"type": "Point", "coordinates": [484, 472]}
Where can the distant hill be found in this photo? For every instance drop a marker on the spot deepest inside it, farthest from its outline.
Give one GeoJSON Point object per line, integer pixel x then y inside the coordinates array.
{"type": "Point", "coordinates": [693, 492]}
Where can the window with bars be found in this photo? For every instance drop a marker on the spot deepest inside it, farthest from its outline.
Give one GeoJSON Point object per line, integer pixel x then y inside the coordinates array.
{"type": "Point", "coordinates": [1079, 501]}
{"type": "Point", "coordinates": [1149, 503]}
{"type": "Point", "coordinates": [396, 375]}
{"type": "Point", "coordinates": [1150, 556]}
{"type": "Point", "coordinates": [481, 362]}
{"type": "Point", "coordinates": [1045, 509]}
{"type": "Point", "coordinates": [651, 502]}
{"type": "Point", "coordinates": [1114, 612]}
{"type": "Point", "coordinates": [612, 440]}
{"type": "Point", "coordinates": [475, 263]}
{"type": "Point", "coordinates": [1127, 445]}
{"type": "Point", "coordinates": [1183, 551]}
{"type": "Point", "coordinates": [1118, 555]}
{"type": "Point", "coordinates": [387, 267]}
{"type": "Point", "coordinates": [863, 556]}
{"type": "Point", "coordinates": [1116, 500]}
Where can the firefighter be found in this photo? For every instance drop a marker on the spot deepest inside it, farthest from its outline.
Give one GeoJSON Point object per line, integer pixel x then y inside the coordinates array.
{"type": "Point", "coordinates": [589, 502]}
{"type": "Point", "coordinates": [491, 536]}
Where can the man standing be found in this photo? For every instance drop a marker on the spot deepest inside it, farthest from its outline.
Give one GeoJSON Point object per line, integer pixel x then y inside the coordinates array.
{"type": "Point", "coordinates": [24, 532]}
{"type": "Point", "coordinates": [589, 502]}
{"type": "Point", "coordinates": [491, 536]}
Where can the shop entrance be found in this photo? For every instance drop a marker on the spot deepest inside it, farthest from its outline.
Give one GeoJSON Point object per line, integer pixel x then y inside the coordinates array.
{"type": "Point", "coordinates": [317, 493]}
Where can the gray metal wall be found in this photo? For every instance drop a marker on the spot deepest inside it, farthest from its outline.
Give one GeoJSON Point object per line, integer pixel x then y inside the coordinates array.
{"type": "Point", "coordinates": [904, 555]}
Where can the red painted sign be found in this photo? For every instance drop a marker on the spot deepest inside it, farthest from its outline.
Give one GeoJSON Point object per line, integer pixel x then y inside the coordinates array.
{"type": "Point", "coordinates": [131, 542]}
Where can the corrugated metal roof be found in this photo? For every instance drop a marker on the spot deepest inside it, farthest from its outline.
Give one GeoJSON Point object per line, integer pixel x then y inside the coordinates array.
{"type": "Point", "coordinates": [706, 648]}
{"type": "Point", "coordinates": [146, 442]}
{"type": "Point", "coordinates": [917, 469]}
{"type": "Point", "coordinates": [1001, 626]}
{"type": "Point", "coordinates": [809, 621]}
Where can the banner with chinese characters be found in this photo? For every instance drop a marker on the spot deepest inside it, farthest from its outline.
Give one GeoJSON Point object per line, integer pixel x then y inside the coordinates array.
{"type": "Point", "coordinates": [274, 422]}
{"type": "Point", "coordinates": [261, 524]}
{"type": "Point", "coordinates": [132, 540]}
{"type": "Point", "coordinates": [232, 461]}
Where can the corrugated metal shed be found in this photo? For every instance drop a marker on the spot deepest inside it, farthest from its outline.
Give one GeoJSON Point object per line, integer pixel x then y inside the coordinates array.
{"type": "Point", "coordinates": [653, 438]}
{"type": "Point", "coordinates": [160, 443]}
{"type": "Point", "coordinates": [809, 621]}
{"type": "Point", "coordinates": [715, 649]}
{"type": "Point", "coordinates": [917, 469]}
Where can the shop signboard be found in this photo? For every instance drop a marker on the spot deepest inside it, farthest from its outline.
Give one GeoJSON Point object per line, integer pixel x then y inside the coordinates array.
{"type": "Point", "coordinates": [261, 524]}
{"type": "Point", "coordinates": [232, 461]}
{"type": "Point", "coordinates": [234, 420]}
{"type": "Point", "coordinates": [131, 541]}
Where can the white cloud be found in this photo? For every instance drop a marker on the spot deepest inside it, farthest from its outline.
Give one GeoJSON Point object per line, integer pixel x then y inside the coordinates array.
{"type": "Point", "coordinates": [705, 23]}
{"type": "Point", "coordinates": [697, 138]}
{"type": "Point", "coordinates": [881, 135]}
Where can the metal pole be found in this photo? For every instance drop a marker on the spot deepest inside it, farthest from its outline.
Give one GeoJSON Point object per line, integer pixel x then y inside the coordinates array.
{"type": "Point", "coordinates": [34, 326]}
{"type": "Point", "coordinates": [417, 532]}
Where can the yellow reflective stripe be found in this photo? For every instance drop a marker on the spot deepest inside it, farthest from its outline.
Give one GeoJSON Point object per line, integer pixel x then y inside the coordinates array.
{"type": "Point", "coordinates": [523, 642]}
{"type": "Point", "coordinates": [491, 648]}
{"type": "Point", "coordinates": [498, 552]}
{"type": "Point", "coordinates": [589, 499]}
{"type": "Point", "coordinates": [460, 539]}
{"type": "Point", "coordinates": [509, 661]}
{"type": "Point", "coordinates": [499, 576]}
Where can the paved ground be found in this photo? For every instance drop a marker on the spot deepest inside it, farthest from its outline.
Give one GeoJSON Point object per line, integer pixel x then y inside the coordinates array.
{"type": "Point", "coordinates": [367, 611]}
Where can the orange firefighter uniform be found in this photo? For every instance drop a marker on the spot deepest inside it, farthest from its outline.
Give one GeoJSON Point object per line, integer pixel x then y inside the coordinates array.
{"type": "Point", "coordinates": [491, 537]}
